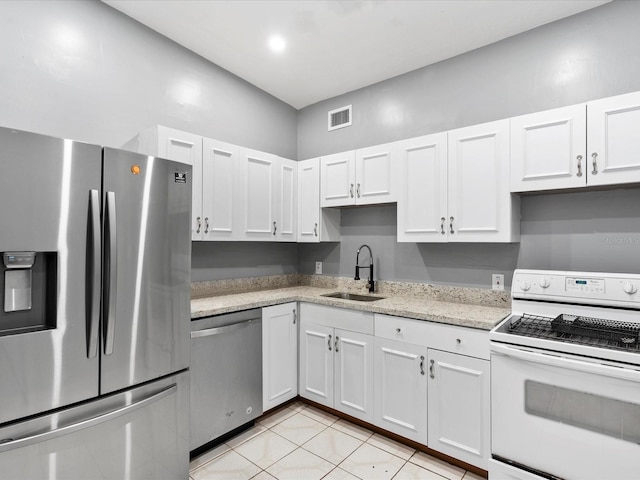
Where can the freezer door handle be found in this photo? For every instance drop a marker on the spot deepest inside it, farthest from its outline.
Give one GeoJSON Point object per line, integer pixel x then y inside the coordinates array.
{"type": "Point", "coordinates": [94, 275]}
{"type": "Point", "coordinates": [111, 271]}
{"type": "Point", "coordinates": [14, 443]}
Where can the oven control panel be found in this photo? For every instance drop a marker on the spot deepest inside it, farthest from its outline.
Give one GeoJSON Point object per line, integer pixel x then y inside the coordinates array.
{"type": "Point", "coordinates": [614, 289]}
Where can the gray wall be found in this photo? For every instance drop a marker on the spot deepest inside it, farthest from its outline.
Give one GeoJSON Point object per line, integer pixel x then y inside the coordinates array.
{"type": "Point", "coordinates": [120, 78]}
{"type": "Point", "coordinates": [584, 57]}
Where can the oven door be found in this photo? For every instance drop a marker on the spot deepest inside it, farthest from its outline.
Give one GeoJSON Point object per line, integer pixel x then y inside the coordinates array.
{"type": "Point", "coordinates": [567, 417]}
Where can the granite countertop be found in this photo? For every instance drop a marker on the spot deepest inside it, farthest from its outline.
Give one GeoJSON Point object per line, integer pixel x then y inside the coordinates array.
{"type": "Point", "coordinates": [417, 307]}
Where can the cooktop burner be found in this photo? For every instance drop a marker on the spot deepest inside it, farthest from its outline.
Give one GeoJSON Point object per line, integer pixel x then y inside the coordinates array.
{"type": "Point", "coordinates": [590, 331]}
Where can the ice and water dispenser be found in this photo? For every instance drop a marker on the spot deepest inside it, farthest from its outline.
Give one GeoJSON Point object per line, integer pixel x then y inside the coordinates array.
{"type": "Point", "coordinates": [28, 283]}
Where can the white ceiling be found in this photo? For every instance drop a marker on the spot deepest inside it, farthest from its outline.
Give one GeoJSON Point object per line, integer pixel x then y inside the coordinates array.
{"type": "Point", "coordinates": [336, 46]}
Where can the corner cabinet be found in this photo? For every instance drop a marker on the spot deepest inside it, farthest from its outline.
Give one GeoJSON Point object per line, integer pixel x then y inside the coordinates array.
{"type": "Point", "coordinates": [315, 224]}
{"type": "Point", "coordinates": [589, 144]}
{"type": "Point", "coordinates": [279, 354]}
{"type": "Point", "coordinates": [366, 176]}
{"type": "Point", "coordinates": [455, 187]}
{"type": "Point", "coordinates": [336, 364]}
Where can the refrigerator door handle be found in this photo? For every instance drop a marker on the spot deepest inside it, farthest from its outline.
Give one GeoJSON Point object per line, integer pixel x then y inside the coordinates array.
{"type": "Point", "coordinates": [12, 444]}
{"type": "Point", "coordinates": [94, 280]}
{"type": "Point", "coordinates": [111, 270]}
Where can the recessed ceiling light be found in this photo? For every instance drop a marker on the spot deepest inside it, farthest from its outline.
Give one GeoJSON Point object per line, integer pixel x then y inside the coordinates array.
{"type": "Point", "coordinates": [277, 44]}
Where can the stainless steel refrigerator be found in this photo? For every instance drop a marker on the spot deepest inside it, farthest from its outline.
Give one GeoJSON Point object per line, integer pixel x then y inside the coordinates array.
{"type": "Point", "coordinates": [95, 317]}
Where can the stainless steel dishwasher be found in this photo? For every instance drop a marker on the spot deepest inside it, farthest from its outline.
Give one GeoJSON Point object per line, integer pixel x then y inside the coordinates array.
{"type": "Point", "coordinates": [226, 374]}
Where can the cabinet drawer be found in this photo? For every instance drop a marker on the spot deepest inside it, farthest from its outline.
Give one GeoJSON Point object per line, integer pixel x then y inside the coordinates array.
{"type": "Point", "coordinates": [402, 329]}
{"type": "Point", "coordinates": [450, 338]}
{"type": "Point", "coordinates": [463, 340]}
{"type": "Point", "coordinates": [352, 320]}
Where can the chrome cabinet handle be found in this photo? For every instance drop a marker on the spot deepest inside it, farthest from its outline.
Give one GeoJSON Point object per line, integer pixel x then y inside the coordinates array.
{"type": "Point", "coordinates": [442, 220]}
{"type": "Point", "coordinates": [199, 224]}
{"type": "Point", "coordinates": [451, 226]}
{"type": "Point", "coordinates": [351, 190]}
{"type": "Point", "coordinates": [431, 374]}
{"type": "Point", "coordinates": [295, 315]}
{"type": "Point", "coordinates": [358, 190]}
{"type": "Point", "coordinates": [315, 229]}
{"type": "Point", "coordinates": [579, 158]}
{"type": "Point", "coordinates": [421, 364]}
{"type": "Point", "coordinates": [329, 342]}
{"type": "Point", "coordinates": [335, 343]}
{"type": "Point", "coordinates": [594, 157]}
{"type": "Point", "coordinates": [275, 228]}
{"type": "Point", "coordinates": [206, 224]}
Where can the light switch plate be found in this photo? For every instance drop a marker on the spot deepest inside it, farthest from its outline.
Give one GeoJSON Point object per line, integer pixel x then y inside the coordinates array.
{"type": "Point", "coordinates": [497, 281]}
{"type": "Point", "coordinates": [319, 268]}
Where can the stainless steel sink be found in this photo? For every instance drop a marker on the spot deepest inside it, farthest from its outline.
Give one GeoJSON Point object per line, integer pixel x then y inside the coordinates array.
{"type": "Point", "coordinates": [353, 296]}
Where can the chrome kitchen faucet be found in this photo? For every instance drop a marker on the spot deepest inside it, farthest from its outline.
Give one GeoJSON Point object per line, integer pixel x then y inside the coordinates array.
{"type": "Point", "coordinates": [370, 283]}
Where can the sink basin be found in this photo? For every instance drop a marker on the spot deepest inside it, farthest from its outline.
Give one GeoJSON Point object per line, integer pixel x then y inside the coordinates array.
{"type": "Point", "coordinates": [353, 296]}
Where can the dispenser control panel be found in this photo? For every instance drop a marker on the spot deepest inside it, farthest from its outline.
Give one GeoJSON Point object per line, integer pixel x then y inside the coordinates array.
{"type": "Point", "coordinates": [19, 259]}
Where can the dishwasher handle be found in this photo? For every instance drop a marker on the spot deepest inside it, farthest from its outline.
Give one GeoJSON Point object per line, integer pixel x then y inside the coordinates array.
{"type": "Point", "coordinates": [208, 332]}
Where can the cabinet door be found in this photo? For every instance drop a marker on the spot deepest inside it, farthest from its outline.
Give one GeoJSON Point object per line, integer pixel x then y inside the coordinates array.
{"type": "Point", "coordinates": [316, 363]}
{"type": "Point", "coordinates": [376, 174]}
{"type": "Point", "coordinates": [286, 201]}
{"type": "Point", "coordinates": [459, 409]}
{"type": "Point", "coordinates": [309, 200]}
{"type": "Point", "coordinates": [613, 154]}
{"type": "Point", "coordinates": [338, 173]}
{"type": "Point", "coordinates": [480, 205]}
{"type": "Point", "coordinates": [186, 148]}
{"type": "Point", "coordinates": [259, 170]}
{"type": "Point", "coordinates": [400, 394]}
{"type": "Point", "coordinates": [220, 190]}
{"type": "Point", "coordinates": [354, 374]}
{"type": "Point", "coordinates": [548, 149]}
{"type": "Point", "coordinates": [422, 197]}
{"type": "Point", "coordinates": [279, 354]}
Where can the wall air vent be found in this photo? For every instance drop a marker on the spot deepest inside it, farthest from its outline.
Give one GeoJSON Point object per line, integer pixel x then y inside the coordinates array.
{"type": "Point", "coordinates": [340, 117]}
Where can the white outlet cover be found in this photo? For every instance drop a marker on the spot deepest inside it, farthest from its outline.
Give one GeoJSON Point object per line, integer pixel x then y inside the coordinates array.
{"type": "Point", "coordinates": [497, 281]}
{"type": "Point", "coordinates": [319, 268]}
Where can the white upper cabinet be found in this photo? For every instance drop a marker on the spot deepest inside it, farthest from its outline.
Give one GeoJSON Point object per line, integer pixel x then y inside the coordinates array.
{"type": "Point", "coordinates": [480, 205]}
{"type": "Point", "coordinates": [613, 140]}
{"type": "Point", "coordinates": [548, 149]}
{"type": "Point", "coordinates": [315, 224]}
{"type": "Point", "coordinates": [220, 185]}
{"type": "Point", "coordinates": [376, 174]}
{"type": "Point", "coordinates": [338, 177]}
{"type": "Point", "coordinates": [269, 194]}
{"type": "Point", "coordinates": [182, 147]}
{"type": "Point", "coordinates": [362, 177]}
{"type": "Point", "coordinates": [582, 145]}
{"type": "Point", "coordinates": [422, 200]}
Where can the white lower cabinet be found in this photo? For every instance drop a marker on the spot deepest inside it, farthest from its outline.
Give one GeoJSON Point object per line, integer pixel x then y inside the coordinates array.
{"type": "Point", "coordinates": [459, 409]}
{"type": "Point", "coordinates": [279, 354]}
{"type": "Point", "coordinates": [432, 385]}
{"type": "Point", "coordinates": [400, 390]}
{"type": "Point", "coordinates": [336, 365]}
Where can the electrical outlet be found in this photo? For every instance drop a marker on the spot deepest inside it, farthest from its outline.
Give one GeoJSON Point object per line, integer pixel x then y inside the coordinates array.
{"type": "Point", "coordinates": [319, 268]}
{"type": "Point", "coordinates": [497, 281]}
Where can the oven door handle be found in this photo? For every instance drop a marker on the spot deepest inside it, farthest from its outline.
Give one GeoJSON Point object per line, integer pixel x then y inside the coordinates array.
{"type": "Point", "coordinates": [567, 363]}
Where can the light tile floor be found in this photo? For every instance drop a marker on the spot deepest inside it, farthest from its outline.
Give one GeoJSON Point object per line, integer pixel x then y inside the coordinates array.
{"type": "Point", "coordinates": [301, 442]}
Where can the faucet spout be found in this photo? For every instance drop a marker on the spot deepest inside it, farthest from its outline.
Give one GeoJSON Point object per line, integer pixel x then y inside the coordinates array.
{"type": "Point", "coordinates": [370, 282]}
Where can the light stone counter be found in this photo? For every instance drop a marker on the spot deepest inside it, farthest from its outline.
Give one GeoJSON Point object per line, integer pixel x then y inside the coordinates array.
{"type": "Point", "coordinates": [419, 305]}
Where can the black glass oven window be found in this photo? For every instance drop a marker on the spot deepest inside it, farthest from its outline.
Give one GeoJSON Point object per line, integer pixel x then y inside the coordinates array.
{"type": "Point", "coordinates": [607, 416]}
